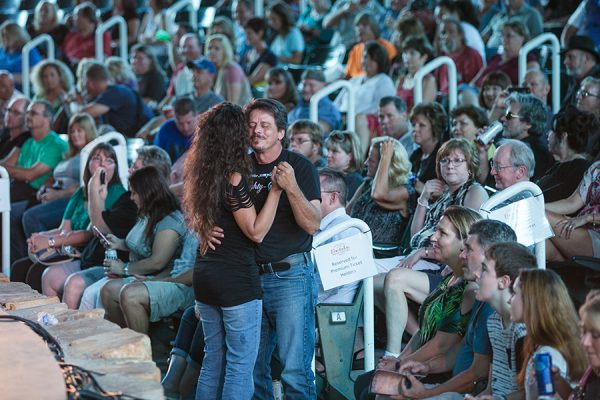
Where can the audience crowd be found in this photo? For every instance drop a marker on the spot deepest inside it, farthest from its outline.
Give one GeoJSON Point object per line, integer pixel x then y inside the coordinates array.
{"type": "Point", "coordinates": [208, 213]}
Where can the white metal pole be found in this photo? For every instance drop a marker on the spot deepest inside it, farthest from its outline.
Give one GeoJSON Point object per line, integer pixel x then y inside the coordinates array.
{"type": "Point", "coordinates": [452, 79]}
{"type": "Point", "coordinates": [51, 55]}
{"type": "Point", "coordinates": [103, 27]}
{"type": "Point", "coordinates": [193, 9]}
{"type": "Point", "coordinates": [534, 43]}
{"type": "Point", "coordinates": [5, 209]}
{"type": "Point", "coordinates": [326, 91]}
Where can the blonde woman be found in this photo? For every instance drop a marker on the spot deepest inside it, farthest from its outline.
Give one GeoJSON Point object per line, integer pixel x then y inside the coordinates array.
{"type": "Point", "coordinates": [344, 154]}
{"type": "Point", "coordinates": [52, 81]}
{"type": "Point", "coordinates": [12, 39]}
{"type": "Point", "coordinates": [231, 82]}
{"type": "Point", "coordinates": [383, 200]}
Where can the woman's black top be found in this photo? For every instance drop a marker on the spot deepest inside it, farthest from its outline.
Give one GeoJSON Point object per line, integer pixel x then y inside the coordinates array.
{"type": "Point", "coordinates": [562, 179]}
{"type": "Point", "coordinates": [228, 275]}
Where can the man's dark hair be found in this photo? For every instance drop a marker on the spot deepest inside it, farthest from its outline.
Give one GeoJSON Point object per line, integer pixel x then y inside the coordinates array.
{"type": "Point", "coordinates": [510, 258]}
{"type": "Point", "coordinates": [97, 72]}
{"type": "Point", "coordinates": [533, 111]}
{"type": "Point", "coordinates": [184, 106]}
{"type": "Point", "coordinates": [379, 54]}
{"type": "Point", "coordinates": [257, 25]}
{"type": "Point", "coordinates": [334, 181]}
{"type": "Point", "coordinates": [490, 231]}
{"type": "Point", "coordinates": [48, 110]}
{"type": "Point", "coordinates": [398, 102]}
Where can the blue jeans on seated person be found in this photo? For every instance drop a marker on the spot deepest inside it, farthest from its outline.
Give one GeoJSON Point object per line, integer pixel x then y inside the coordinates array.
{"type": "Point", "coordinates": [45, 216]}
{"type": "Point", "coordinates": [231, 337]}
{"type": "Point", "coordinates": [189, 342]}
{"type": "Point", "coordinates": [289, 299]}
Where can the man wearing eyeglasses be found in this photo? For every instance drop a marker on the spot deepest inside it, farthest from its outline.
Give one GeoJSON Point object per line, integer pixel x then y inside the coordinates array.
{"type": "Point", "coordinates": [14, 133]}
{"type": "Point", "coordinates": [588, 96]}
{"type": "Point", "coordinates": [513, 162]}
{"type": "Point", "coordinates": [525, 120]}
{"type": "Point", "coordinates": [581, 60]}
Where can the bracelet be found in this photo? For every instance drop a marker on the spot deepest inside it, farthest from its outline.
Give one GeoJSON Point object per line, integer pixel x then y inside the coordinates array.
{"type": "Point", "coordinates": [126, 269]}
{"type": "Point", "coordinates": [426, 206]}
{"type": "Point", "coordinates": [51, 242]}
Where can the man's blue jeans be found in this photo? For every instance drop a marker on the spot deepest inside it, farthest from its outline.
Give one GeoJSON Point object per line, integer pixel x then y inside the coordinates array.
{"type": "Point", "coordinates": [231, 336]}
{"type": "Point", "coordinates": [288, 322]}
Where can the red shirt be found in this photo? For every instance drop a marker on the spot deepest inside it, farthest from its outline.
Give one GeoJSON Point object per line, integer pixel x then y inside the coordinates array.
{"type": "Point", "coordinates": [76, 46]}
{"type": "Point", "coordinates": [510, 67]}
{"type": "Point", "coordinates": [468, 63]}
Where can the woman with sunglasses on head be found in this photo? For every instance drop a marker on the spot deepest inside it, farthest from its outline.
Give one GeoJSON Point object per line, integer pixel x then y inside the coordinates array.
{"type": "Point", "coordinates": [344, 154]}
{"type": "Point", "coordinates": [386, 197]}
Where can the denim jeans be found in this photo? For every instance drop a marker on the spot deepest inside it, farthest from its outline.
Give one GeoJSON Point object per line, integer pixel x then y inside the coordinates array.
{"type": "Point", "coordinates": [231, 337]}
{"type": "Point", "coordinates": [189, 342]}
{"type": "Point", "coordinates": [44, 216]}
{"type": "Point", "coordinates": [289, 299]}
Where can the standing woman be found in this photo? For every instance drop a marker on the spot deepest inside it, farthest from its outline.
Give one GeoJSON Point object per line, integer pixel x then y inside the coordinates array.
{"type": "Point", "coordinates": [541, 300]}
{"type": "Point", "coordinates": [231, 82]}
{"type": "Point", "coordinates": [226, 279]}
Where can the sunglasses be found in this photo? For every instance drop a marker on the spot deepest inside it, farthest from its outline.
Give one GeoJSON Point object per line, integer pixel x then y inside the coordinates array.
{"type": "Point", "coordinates": [509, 115]}
{"type": "Point", "coordinates": [585, 93]}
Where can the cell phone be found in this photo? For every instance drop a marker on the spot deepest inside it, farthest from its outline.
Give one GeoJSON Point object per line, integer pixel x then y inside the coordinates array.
{"type": "Point", "coordinates": [103, 239]}
{"type": "Point", "coordinates": [102, 177]}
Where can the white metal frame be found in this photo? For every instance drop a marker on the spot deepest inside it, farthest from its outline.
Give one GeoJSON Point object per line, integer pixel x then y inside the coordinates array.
{"type": "Point", "coordinates": [452, 79]}
{"type": "Point", "coordinates": [180, 5]}
{"type": "Point", "coordinates": [51, 55]}
{"type": "Point", "coordinates": [534, 43]}
{"type": "Point", "coordinates": [368, 304]}
{"type": "Point", "coordinates": [5, 191]}
{"type": "Point", "coordinates": [326, 91]}
{"type": "Point", "coordinates": [505, 194]}
{"type": "Point", "coordinates": [103, 27]}
{"type": "Point", "coordinates": [120, 150]}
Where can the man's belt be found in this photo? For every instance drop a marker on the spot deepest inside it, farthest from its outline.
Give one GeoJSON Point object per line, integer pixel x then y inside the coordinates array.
{"type": "Point", "coordinates": [282, 265]}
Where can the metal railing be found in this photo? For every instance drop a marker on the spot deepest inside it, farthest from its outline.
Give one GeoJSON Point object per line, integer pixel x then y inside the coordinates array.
{"type": "Point", "coordinates": [180, 5]}
{"type": "Point", "coordinates": [103, 27]}
{"type": "Point", "coordinates": [368, 304]}
{"type": "Point", "coordinates": [452, 79]}
{"type": "Point", "coordinates": [51, 55]}
{"type": "Point", "coordinates": [534, 43]}
{"type": "Point", "coordinates": [508, 193]}
{"type": "Point", "coordinates": [259, 8]}
{"type": "Point", "coordinates": [5, 210]}
{"type": "Point", "coordinates": [326, 91]}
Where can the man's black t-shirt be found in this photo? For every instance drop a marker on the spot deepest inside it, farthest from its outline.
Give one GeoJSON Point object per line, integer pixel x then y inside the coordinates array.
{"type": "Point", "coordinates": [286, 237]}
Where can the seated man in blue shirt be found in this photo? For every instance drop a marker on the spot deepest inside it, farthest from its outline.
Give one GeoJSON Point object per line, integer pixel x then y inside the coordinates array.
{"type": "Point", "coordinates": [176, 134]}
{"type": "Point", "coordinates": [329, 116]}
{"type": "Point", "coordinates": [116, 105]}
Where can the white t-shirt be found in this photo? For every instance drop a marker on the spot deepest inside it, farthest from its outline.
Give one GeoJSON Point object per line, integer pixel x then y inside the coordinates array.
{"type": "Point", "coordinates": [558, 362]}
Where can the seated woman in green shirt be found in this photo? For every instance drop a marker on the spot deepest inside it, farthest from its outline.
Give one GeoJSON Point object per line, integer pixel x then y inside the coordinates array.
{"type": "Point", "coordinates": [74, 229]}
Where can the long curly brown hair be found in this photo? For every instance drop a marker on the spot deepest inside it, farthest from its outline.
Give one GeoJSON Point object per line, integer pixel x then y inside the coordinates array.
{"type": "Point", "coordinates": [219, 149]}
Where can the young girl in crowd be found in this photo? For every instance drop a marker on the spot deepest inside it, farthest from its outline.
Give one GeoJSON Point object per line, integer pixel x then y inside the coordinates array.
{"type": "Point", "coordinates": [344, 154]}
{"type": "Point", "coordinates": [541, 300]}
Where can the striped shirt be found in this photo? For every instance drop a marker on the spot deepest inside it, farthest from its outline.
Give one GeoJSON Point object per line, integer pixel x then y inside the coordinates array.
{"type": "Point", "coordinates": [506, 342]}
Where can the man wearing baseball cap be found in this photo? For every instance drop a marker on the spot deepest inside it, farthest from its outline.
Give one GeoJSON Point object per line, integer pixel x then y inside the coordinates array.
{"type": "Point", "coordinates": [581, 60]}
{"type": "Point", "coordinates": [204, 73]}
{"type": "Point", "coordinates": [329, 116]}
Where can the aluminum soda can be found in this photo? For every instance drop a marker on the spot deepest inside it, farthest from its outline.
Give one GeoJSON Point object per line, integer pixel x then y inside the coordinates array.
{"type": "Point", "coordinates": [277, 390]}
{"type": "Point", "coordinates": [543, 374]}
{"type": "Point", "coordinates": [110, 254]}
{"type": "Point", "coordinates": [490, 133]}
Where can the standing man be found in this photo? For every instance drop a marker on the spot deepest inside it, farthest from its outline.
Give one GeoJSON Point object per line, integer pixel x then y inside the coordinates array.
{"type": "Point", "coordinates": [393, 119]}
{"type": "Point", "coordinates": [287, 275]}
